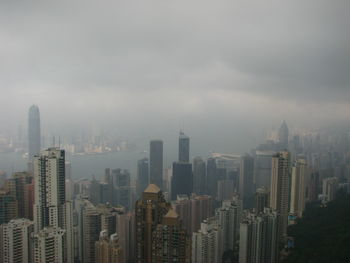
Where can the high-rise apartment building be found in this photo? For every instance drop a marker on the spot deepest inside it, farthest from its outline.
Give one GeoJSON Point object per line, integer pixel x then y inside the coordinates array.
{"type": "Point", "coordinates": [182, 179]}
{"type": "Point", "coordinates": [108, 249]}
{"type": "Point", "coordinates": [184, 148]}
{"type": "Point", "coordinates": [329, 188]}
{"type": "Point", "coordinates": [298, 187]}
{"type": "Point", "coordinates": [207, 243]}
{"type": "Point", "coordinates": [126, 234]}
{"type": "Point", "coordinates": [156, 163]}
{"type": "Point", "coordinates": [170, 242]}
{"type": "Point", "coordinates": [21, 187]}
{"type": "Point", "coordinates": [259, 238]}
{"type": "Point", "coordinates": [8, 206]}
{"type": "Point", "coordinates": [229, 218]}
{"type": "Point", "coordinates": [262, 199]}
{"type": "Point", "coordinates": [94, 220]}
{"type": "Point", "coordinates": [51, 211]}
{"type": "Point", "coordinates": [279, 193]}
{"type": "Point", "coordinates": [192, 211]}
{"type": "Point", "coordinates": [49, 245]}
{"type": "Point", "coordinates": [34, 137]}
{"type": "Point", "coordinates": [142, 176]}
{"type": "Point", "coordinates": [149, 213]}
{"type": "Point", "coordinates": [199, 176]}
{"type": "Point", "coordinates": [15, 245]}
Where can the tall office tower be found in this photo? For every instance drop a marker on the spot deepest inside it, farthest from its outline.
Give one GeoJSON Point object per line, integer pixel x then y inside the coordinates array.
{"type": "Point", "coordinates": [34, 137]}
{"type": "Point", "coordinates": [262, 200]}
{"type": "Point", "coordinates": [246, 181]}
{"type": "Point", "coordinates": [298, 187]}
{"type": "Point", "coordinates": [229, 218]}
{"type": "Point", "coordinates": [199, 176]}
{"type": "Point", "coordinates": [329, 188]}
{"type": "Point", "coordinates": [48, 245]}
{"type": "Point", "coordinates": [262, 168]}
{"type": "Point", "coordinates": [142, 176]}
{"type": "Point", "coordinates": [225, 190]}
{"type": "Point", "coordinates": [50, 207]}
{"type": "Point", "coordinates": [8, 207]}
{"type": "Point", "coordinates": [212, 177]}
{"type": "Point", "coordinates": [20, 183]}
{"type": "Point", "coordinates": [3, 178]}
{"type": "Point", "coordinates": [279, 195]}
{"type": "Point", "coordinates": [259, 238]}
{"type": "Point", "coordinates": [182, 180]}
{"type": "Point", "coordinates": [149, 212]}
{"type": "Point", "coordinates": [283, 134]}
{"type": "Point", "coordinates": [108, 249]}
{"type": "Point", "coordinates": [170, 242]}
{"type": "Point", "coordinates": [126, 233]}
{"type": "Point", "coordinates": [121, 180]}
{"type": "Point", "coordinates": [184, 148]}
{"type": "Point", "coordinates": [156, 163]}
{"type": "Point", "coordinates": [207, 243]}
{"type": "Point", "coordinates": [15, 245]}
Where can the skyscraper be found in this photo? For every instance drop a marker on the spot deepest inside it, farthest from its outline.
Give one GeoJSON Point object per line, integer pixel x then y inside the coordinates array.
{"type": "Point", "coordinates": [156, 163]}
{"type": "Point", "coordinates": [170, 242]}
{"type": "Point", "coordinates": [199, 176]}
{"type": "Point", "coordinates": [184, 148]}
{"type": "Point", "coordinates": [259, 238]}
{"type": "Point", "coordinates": [49, 179]}
{"type": "Point", "coordinates": [182, 180]}
{"type": "Point", "coordinates": [142, 176]}
{"type": "Point", "coordinates": [48, 245]}
{"type": "Point", "coordinates": [8, 206]}
{"type": "Point", "coordinates": [246, 181]}
{"type": "Point", "coordinates": [22, 182]}
{"type": "Point", "coordinates": [34, 137]}
{"type": "Point", "coordinates": [283, 134]}
{"type": "Point", "coordinates": [262, 196]}
{"type": "Point", "coordinates": [229, 216]}
{"type": "Point", "coordinates": [52, 214]}
{"type": "Point", "coordinates": [149, 212]}
{"type": "Point", "coordinates": [279, 195]}
{"type": "Point", "coordinates": [207, 243]}
{"type": "Point", "coordinates": [298, 187]}
{"type": "Point", "coordinates": [15, 245]}
{"type": "Point", "coordinates": [108, 249]}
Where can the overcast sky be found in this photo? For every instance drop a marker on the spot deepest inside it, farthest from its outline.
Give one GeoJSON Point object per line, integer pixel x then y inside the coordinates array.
{"type": "Point", "coordinates": [223, 68]}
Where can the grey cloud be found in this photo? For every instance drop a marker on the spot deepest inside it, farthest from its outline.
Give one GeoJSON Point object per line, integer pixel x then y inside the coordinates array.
{"type": "Point", "coordinates": [188, 58]}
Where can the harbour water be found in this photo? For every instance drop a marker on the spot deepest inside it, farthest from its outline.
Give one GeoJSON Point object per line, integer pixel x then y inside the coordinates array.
{"type": "Point", "coordinates": [83, 166]}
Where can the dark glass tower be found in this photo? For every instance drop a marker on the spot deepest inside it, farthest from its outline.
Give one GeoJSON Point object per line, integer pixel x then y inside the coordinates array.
{"type": "Point", "coordinates": [184, 148]}
{"type": "Point", "coordinates": [182, 181]}
{"type": "Point", "coordinates": [33, 132]}
{"type": "Point", "coordinates": [142, 176]}
{"type": "Point", "coordinates": [156, 163]}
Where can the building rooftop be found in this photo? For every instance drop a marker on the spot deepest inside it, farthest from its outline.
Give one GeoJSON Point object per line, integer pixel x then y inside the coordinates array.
{"type": "Point", "coordinates": [152, 188]}
{"type": "Point", "coordinates": [171, 214]}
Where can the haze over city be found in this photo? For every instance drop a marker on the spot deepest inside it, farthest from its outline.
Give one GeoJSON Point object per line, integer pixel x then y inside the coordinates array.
{"type": "Point", "coordinates": [174, 131]}
{"type": "Point", "coordinates": [229, 71]}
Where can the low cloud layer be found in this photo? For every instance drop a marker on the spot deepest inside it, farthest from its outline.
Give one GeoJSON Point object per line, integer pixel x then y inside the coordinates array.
{"type": "Point", "coordinates": [234, 64]}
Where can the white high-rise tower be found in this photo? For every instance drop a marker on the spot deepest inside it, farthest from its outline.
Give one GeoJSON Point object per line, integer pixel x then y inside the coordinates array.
{"type": "Point", "coordinates": [50, 207]}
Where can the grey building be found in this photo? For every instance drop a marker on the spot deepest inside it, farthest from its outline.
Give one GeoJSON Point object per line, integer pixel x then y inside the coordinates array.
{"type": "Point", "coordinates": [156, 163]}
